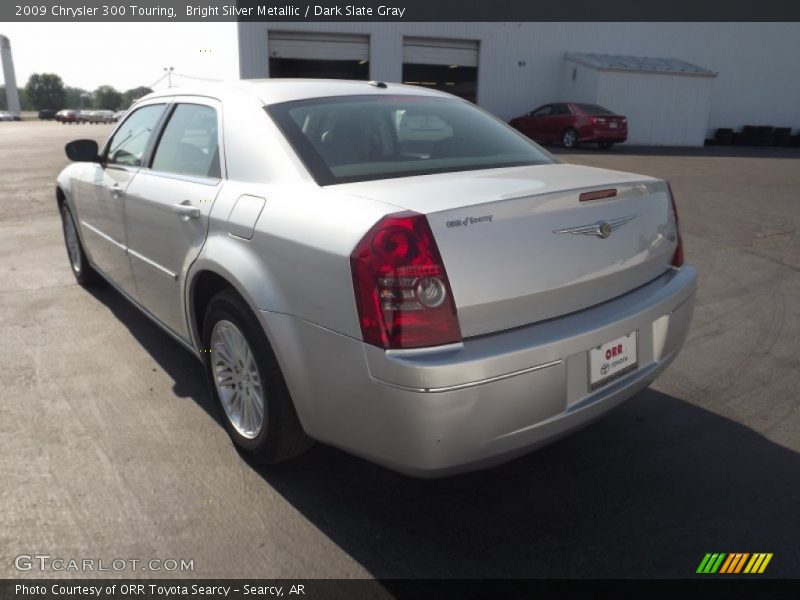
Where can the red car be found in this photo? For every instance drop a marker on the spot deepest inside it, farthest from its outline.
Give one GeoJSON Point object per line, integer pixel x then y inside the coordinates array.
{"type": "Point", "coordinates": [571, 123]}
{"type": "Point", "coordinates": [69, 116]}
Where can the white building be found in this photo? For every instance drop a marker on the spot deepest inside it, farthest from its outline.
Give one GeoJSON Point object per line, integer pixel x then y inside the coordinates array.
{"type": "Point", "coordinates": [742, 73]}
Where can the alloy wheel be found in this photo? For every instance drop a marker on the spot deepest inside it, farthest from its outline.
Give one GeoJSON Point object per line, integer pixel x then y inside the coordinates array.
{"type": "Point", "coordinates": [72, 241]}
{"type": "Point", "coordinates": [237, 379]}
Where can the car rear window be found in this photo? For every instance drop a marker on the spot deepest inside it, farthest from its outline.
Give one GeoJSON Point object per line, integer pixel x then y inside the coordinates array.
{"type": "Point", "coordinates": [362, 138]}
{"type": "Point", "coordinates": [594, 109]}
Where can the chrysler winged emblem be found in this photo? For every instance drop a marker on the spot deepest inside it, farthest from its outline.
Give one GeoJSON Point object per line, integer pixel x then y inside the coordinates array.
{"type": "Point", "coordinates": [601, 229]}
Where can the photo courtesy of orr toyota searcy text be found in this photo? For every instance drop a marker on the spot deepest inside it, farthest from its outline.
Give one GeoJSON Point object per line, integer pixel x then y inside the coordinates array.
{"type": "Point", "coordinates": [162, 591]}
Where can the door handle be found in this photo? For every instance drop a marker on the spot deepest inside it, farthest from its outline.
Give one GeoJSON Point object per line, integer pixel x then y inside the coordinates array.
{"type": "Point", "coordinates": [185, 209]}
{"type": "Point", "coordinates": [116, 190]}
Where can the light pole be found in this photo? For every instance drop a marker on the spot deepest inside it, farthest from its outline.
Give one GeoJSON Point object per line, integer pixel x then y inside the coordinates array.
{"type": "Point", "coordinates": [169, 71]}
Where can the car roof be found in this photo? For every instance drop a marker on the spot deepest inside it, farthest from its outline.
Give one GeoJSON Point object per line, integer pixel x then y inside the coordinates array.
{"type": "Point", "coordinates": [274, 91]}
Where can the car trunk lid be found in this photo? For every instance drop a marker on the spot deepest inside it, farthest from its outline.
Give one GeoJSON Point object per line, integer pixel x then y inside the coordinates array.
{"type": "Point", "coordinates": [520, 246]}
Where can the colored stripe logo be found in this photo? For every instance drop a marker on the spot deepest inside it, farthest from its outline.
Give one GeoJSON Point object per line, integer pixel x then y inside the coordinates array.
{"type": "Point", "coordinates": [734, 563]}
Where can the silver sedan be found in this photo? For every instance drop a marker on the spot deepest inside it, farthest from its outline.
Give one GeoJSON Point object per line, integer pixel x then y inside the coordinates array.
{"type": "Point", "coordinates": [383, 268]}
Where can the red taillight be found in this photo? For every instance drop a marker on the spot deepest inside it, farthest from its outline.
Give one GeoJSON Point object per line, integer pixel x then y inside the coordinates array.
{"type": "Point", "coordinates": [403, 296]}
{"type": "Point", "coordinates": [597, 120]}
{"type": "Point", "coordinates": [677, 258]}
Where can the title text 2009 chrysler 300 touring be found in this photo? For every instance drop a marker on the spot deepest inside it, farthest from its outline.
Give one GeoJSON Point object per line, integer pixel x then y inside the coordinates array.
{"type": "Point", "coordinates": [383, 268]}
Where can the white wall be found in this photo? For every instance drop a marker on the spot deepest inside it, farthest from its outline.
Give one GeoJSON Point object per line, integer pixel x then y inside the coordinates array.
{"type": "Point", "coordinates": [662, 110]}
{"type": "Point", "coordinates": [583, 88]}
{"type": "Point", "coordinates": [758, 63]}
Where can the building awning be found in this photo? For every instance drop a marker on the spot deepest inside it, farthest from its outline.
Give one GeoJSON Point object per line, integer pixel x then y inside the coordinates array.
{"type": "Point", "coordinates": [646, 64]}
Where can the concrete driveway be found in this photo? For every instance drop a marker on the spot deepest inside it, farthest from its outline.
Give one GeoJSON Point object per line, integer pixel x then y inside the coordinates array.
{"type": "Point", "coordinates": [109, 447]}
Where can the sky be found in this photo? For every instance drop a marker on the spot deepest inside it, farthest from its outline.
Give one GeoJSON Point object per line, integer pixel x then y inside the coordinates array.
{"type": "Point", "coordinates": [124, 55]}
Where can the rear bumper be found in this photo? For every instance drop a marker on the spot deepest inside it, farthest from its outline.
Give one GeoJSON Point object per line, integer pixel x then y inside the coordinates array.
{"type": "Point", "coordinates": [590, 134]}
{"type": "Point", "coordinates": [494, 397]}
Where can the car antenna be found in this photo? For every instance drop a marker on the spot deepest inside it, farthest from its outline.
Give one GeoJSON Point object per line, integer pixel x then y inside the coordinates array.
{"type": "Point", "coordinates": [378, 84]}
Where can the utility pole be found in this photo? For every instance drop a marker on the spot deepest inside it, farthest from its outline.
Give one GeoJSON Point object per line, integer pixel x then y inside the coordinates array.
{"type": "Point", "coordinates": [169, 71]}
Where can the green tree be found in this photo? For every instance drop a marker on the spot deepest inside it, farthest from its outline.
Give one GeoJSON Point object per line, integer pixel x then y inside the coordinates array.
{"type": "Point", "coordinates": [106, 97]}
{"type": "Point", "coordinates": [24, 103]}
{"type": "Point", "coordinates": [78, 98]}
{"type": "Point", "coordinates": [134, 94]}
{"type": "Point", "coordinates": [45, 90]}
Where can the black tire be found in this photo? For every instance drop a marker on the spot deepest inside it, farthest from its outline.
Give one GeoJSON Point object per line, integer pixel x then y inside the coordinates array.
{"type": "Point", "coordinates": [84, 274]}
{"type": "Point", "coordinates": [282, 437]}
{"type": "Point", "coordinates": [569, 139]}
{"type": "Point", "coordinates": [605, 145]}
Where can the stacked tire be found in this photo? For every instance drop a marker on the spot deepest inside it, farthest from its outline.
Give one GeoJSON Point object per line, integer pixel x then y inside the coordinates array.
{"type": "Point", "coordinates": [755, 135]}
{"type": "Point", "coordinates": [750, 135]}
{"type": "Point", "coordinates": [765, 135]}
{"type": "Point", "coordinates": [723, 137]}
{"type": "Point", "coordinates": [783, 136]}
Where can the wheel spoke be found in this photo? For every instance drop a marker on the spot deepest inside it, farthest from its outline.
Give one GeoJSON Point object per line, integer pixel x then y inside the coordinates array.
{"type": "Point", "coordinates": [224, 354]}
{"type": "Point", "coordinates": [246, 416]}
{"type": "Point", "coordinates": [226, 380]}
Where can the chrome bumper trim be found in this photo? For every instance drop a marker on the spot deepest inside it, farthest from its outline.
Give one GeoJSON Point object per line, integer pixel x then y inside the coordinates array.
{"type": "Point", "coordinates": [470, 384]}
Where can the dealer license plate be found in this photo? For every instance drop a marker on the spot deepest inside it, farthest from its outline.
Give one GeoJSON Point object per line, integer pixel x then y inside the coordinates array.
{"type": "Point", "coordinates": [613, 124]}
{"type": "Point", "coordinates": [612, 360]}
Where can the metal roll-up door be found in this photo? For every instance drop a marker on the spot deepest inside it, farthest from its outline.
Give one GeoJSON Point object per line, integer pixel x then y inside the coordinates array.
{"type": "Point", "coordinates": [318, 46]}
{"type": "Point", "coordinates": [430, 51]}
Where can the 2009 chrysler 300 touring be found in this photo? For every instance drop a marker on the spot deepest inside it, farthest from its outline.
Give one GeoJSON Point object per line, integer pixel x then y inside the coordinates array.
{"type": "Point", "coordinates": [383, 268]}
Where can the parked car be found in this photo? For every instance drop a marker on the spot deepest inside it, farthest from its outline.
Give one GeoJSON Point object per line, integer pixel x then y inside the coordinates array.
{"type": "Point", "coordinates": [47, 114]}
{"type": "Point", "coordinates": [380, 267]}
{"type": "Point", "coordinates": [571, 123]}
{"type": "Point", "coordinates": [100, 116]}
{"type": "Point", "coordinates": [118, 115]}
{"type": "Point", "coordinates": [6, 116]}
{"type": "Point", "coordinates": [68, 116]}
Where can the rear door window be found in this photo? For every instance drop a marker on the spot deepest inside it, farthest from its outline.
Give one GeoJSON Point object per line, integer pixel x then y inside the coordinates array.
{"type": "Point", "coordinates": [561, 109]}
{"type": "Point", "coordinates": [190, 143]}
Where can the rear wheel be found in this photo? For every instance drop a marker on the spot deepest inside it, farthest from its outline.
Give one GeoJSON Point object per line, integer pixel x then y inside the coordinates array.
{"type": "Point", "coordinates": [83, 271]}
{"type": "Point", "coordinates": [605, 145]}
{"type": "Point", "coordinates": [247, 383]}
{"type": "Point", "coordinates": [570, 138]}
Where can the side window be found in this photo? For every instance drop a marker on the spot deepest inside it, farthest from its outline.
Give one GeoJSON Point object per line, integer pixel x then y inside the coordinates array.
{"type": "Point", "coordinates": [543, 112]}
{"type": "Point", "coordinates": [561, 109]}
{"type": "Point", "coordinates": [130, 140]}
{"type": "Point", "coordinates": [189, 144]}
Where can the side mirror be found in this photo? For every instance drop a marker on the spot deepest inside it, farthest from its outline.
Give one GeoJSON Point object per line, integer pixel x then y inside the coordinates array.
{"type": "Point", "coordinates": [82, 151]}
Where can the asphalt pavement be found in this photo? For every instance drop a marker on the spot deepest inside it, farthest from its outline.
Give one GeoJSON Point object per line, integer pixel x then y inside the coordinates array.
{"type": "Point", "coordinates": [110, 448]}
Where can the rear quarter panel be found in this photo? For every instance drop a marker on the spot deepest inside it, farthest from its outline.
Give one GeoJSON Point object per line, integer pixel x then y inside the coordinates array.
{"type": "Point", "coordinates": [298, 260]}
